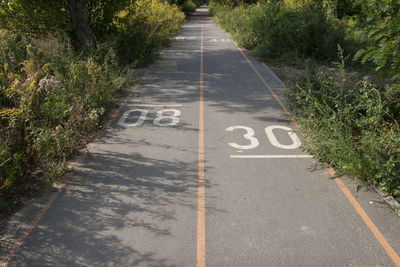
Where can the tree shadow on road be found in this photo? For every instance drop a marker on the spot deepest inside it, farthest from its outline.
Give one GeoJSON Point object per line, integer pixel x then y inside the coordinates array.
{"type": "Point", "coordinates": [115, 207]}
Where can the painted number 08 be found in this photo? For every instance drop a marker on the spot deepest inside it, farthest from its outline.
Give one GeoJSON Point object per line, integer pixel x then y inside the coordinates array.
{"type": "Point", "coordinates": [249, 135]}
{"type": "Point", "coordinates": [162, 118]}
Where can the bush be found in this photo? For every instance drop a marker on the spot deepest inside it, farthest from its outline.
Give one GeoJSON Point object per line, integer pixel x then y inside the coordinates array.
{"type": "Point", "coordinates": [52, 105]}
{"type": "Point", "coordinates": [198, 3]}
{"type": "Point", "coordinates": [272, 30]}
{"type": "Point", "coordinates": [52, 100]}
{"type": "Point", "coordinates": [351, 127]}
{"type": "Point", "coordinates": [143, 28]}
{"type": "Point", "coordinates": [382, 20]}
{"type": "Point", "coordinates": [188, 7]}
{"type": "Point", "coordinates": [34, 17]}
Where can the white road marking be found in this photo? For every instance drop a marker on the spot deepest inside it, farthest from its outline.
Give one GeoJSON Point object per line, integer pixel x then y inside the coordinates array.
{"type": "Point", "coordinates": [249, 136]}
{"type": "Point", "coordinates": [274, 141]}
{"type": "Point", "coordinates": [145, 105]}
{"type": "Point", "coordinates": [220, 40]}
{"type": "Point", "coordinates": [172, 119]}
{"type": "Point", "coordinates": [140, 120]}
{"type": "Point", "coordinates": [270, 134]}
{"type": "Point", "coordinates": [186, 38]}
{"type": "Point", "coordinates": [270, 156]}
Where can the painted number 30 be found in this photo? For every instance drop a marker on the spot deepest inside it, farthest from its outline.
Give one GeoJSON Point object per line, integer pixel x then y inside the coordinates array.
{"type": "Point", "coordinates": [249, 135]}
{"type": "Point", "coordinates": [165, 117]}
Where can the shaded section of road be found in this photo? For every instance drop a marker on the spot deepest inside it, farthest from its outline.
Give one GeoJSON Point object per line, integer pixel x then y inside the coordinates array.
{"type": "Point", "coordinates": [133, 201]}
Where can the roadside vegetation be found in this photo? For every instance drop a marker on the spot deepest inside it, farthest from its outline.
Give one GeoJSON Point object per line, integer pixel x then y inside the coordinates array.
{"type": "Point", "coordinates": [189, 6]}
{"type": "Point", "coordinates": [62, 65]}
{"type": "Point", "coordinates": [350, 123]}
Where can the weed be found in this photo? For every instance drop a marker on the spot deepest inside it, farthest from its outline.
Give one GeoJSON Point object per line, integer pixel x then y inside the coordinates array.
{"type": "Point", "coordinates": [271, 29]}
{"type": "Point", "coordinates": [52, 100]}
{"type": "Point", "coordinates": [353, 128]}
{"type": "Point", "coordinates": [189, 7]}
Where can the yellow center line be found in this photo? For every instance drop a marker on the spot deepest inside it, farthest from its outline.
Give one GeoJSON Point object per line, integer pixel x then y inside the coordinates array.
{"type": "Point", "coordinates": [356, 205]}
{"type": "Point", "coordinates": [201, 229]}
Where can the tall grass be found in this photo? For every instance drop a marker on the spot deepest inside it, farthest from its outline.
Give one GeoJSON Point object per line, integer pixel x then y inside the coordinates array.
{"type": "Point", "coordinates": [272, 29]}
{"type": "Point", "coordinates": [189, 6]}
{"type": "Point", "coordinates": [353, 127]}
{"type": "Point", "coordinates": [52, 100]}
{"type": "Point", "coordinates": [143, 28]}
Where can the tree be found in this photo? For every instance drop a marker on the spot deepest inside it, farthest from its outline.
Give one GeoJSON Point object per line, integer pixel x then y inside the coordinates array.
{"type": "Point", "coordinates": [83, 20]}
{"type": "Point", "coordinates": [382, 19]}
{"type": "Point", "coordinates": [34, 17]}
{"type": "Point", "coordinates": [81, 31]}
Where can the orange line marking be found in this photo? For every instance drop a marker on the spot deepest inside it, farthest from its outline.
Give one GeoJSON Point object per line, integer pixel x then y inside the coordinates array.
{"type": "Point", "coordinates": [26, 233]}
{"type": "Point", "coordinates": [276, 97]}
{"type": "Point", "coordinates": [201, 229]}
{"type": "Point", "coordinates": [378, 235]}
{"type": "Point", "coordinates": [54, 196]}
{"type": "Point", "coordinates": [372, 227]}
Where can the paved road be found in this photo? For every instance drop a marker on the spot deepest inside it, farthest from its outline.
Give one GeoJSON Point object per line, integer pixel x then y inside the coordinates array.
{"type": "Point", "coordinates": [137, 199]}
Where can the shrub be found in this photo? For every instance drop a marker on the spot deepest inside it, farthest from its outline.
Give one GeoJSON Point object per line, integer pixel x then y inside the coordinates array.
{"type": "Point", "coordinates": [52, 100]}
{"type": "Point", "coordinates": [382, 20]}
{"type": "Point", "coordinates": [188, 7]}
{"type": "Point", "coordinates": [53, 103]}
{"type": "Point", "coordinates": [271, 30]}
{"type": "Point", "coordinates": [143, 28]}
{"type": "Point", "coordinates": [34, 17]}
{"type": "Point", "coordinates": [198, 3]}
{"type": "Point", "coordinates": [352, 128]}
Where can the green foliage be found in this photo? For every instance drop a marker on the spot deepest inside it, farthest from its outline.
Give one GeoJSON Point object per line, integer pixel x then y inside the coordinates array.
{"type": "Point", "coordinates": [272, 29]}
{"type": "Point", "coordinates": [37, 17]}
{"type": "Point", "coordinates": [144, 28]}
{"type": "Point", "coordinates": [351, 127]}
{"type": "Point", "coordinates": [230, 4]}
{"type": "Point", "coordinates": [198, 3]}
{"type": "Point", "coordinates": [382, 20]}
{"type": "Point", "coordinates": [188, 7]}
{"type": "Point", "coordinates": [341, 8]}
{"type": "Point", "coordinates": [52, 100]}
{"type": "Point", "coordinates": [41, 16]}
{"type": "Point", "coordinates": [102, 14]}
{"type": "Point", "coordinates": [181, 4]}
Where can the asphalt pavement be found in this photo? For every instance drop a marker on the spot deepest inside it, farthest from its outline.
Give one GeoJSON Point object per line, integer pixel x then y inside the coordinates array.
{"type": "Point", "coordinates": [202, 167]}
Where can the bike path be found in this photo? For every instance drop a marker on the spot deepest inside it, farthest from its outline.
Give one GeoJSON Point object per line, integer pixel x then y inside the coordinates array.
{"type": "Point", "coordinates": [274, 210]}
{"type": "Point", "coordinates": [134, 200]}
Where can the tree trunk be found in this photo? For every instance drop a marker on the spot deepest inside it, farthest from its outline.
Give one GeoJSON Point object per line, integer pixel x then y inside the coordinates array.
{"type": "Point", "coordinates": [82, 33]}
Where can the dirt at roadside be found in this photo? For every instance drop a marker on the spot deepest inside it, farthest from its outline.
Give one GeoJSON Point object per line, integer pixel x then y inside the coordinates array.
{"type": "Point", "coordinates": [290, 76]}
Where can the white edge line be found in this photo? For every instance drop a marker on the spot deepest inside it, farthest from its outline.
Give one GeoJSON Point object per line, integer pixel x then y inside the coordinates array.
{"type": "Point", "coordinates": [269, 156]}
